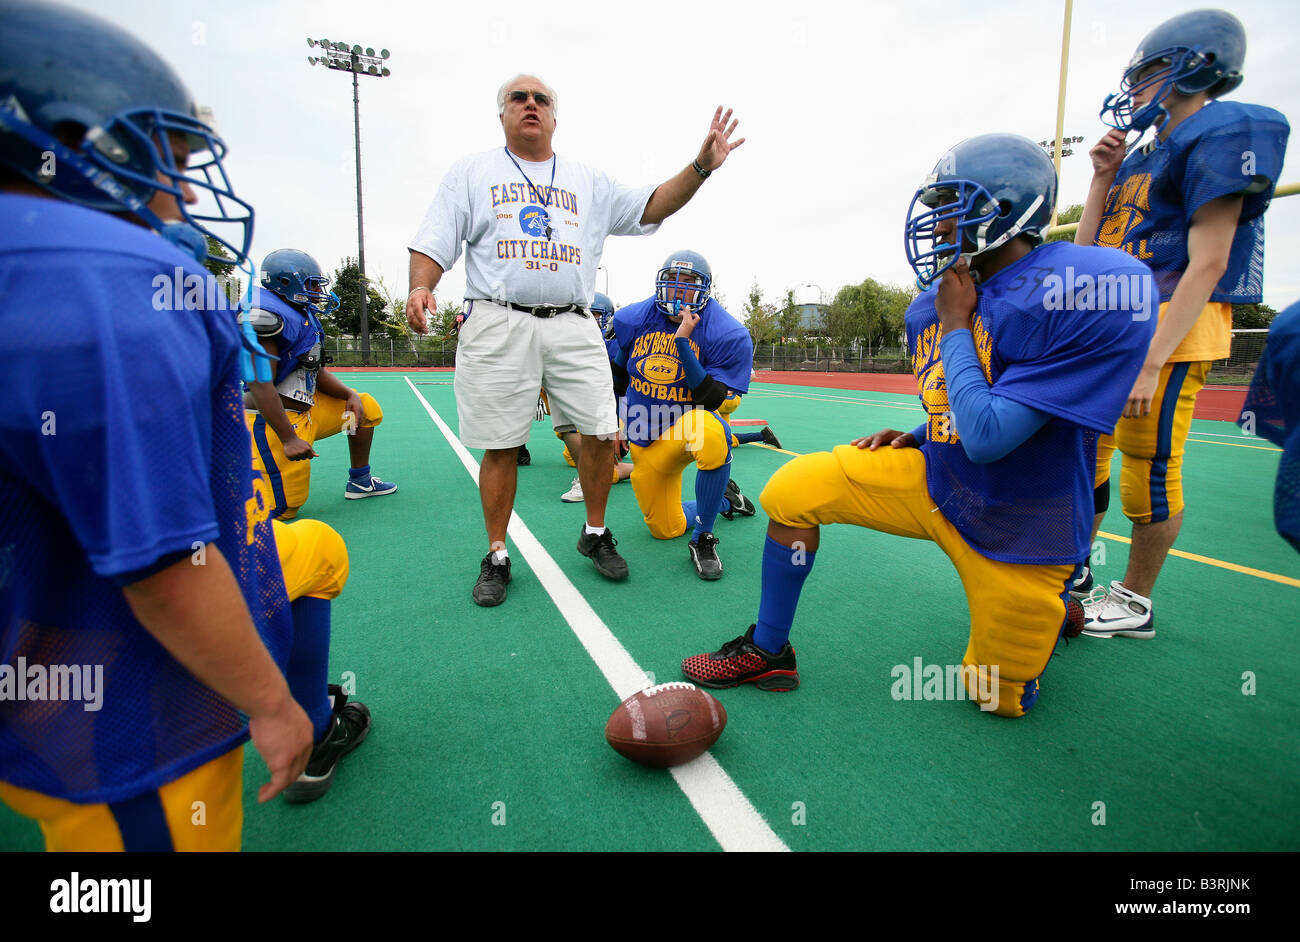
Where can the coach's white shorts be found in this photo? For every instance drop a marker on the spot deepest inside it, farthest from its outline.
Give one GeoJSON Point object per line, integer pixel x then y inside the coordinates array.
{"type": "Point", "coordinates": [504, 356]}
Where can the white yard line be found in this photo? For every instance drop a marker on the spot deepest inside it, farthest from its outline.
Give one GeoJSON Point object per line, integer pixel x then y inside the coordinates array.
{"type": "Point", "coordinates": [723, 807]}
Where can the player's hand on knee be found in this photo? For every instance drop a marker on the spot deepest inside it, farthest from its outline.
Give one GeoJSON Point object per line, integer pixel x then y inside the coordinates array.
{"type": "Point", "coordinates": [891, 437]}
{"type": "Point", "coordinates": [295, 449]}
{"type": "Point", "coordinates": [283, 738]}
{"type": "Point", "coordinates": [420, 305]}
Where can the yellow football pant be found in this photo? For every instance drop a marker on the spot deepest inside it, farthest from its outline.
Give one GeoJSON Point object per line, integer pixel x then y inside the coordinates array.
{"type": "Point", "coordinates": [1016, 611]}
{"type": "Point", "coordinates": [202, 810]}
{"type": "Point", "coordinates": [698, 437]}
{"type": "Point", "coordinates": [1151, 469]}
{"type": "Point", "coordinates": [290, 481]}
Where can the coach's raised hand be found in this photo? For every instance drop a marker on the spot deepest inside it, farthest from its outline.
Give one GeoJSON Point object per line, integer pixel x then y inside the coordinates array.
{"type": "Point", "coordinates": [718, 144]}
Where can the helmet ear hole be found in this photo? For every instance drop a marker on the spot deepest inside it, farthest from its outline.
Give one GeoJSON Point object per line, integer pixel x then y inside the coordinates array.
{"type": "Point", "coordinates": [1004, 208]}
{"type": "Point", "coordinates": [70, 133]}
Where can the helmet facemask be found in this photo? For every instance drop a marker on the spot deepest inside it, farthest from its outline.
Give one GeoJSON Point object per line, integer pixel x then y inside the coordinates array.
{"type": "Point", "coordinates": [681, 287]}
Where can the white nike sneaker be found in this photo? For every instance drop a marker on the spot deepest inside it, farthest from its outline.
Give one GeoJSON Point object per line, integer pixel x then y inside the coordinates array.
{"type": "Point", "coordinates": [1119, 613]}
{"type": "Point", "coordinates": [574, 494]}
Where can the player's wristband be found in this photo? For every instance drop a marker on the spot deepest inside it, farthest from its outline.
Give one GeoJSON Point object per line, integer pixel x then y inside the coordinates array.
{"type": "Point", "coordinates": [704, 174]}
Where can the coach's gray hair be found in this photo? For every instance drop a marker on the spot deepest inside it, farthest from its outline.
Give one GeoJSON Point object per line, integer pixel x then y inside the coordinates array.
{"type": "Point", "coordinates": [505, 86]}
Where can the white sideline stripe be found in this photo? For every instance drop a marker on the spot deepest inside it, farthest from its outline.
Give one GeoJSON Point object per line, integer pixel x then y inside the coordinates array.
{"type": "Point", "coordinates": [719, 802]}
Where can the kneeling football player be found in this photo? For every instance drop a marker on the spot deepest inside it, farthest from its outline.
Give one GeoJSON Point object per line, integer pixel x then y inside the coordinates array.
{"type": "Point", "coordinates": [677, 355]}
{"type": "Point", "coordinates": [1017, 381]}
{"type": "Point", "coordinates": [304, 402]}
{"type": "Point", "coordinates": [134, 536]}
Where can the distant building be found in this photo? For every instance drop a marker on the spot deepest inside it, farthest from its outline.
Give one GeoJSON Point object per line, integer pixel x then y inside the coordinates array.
{"type": "Point", "coordinates": [810, 316]}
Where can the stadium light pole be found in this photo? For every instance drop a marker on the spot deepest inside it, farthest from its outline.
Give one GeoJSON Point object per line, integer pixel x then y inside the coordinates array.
{"type": "Point", "coordinates": [344, 58]}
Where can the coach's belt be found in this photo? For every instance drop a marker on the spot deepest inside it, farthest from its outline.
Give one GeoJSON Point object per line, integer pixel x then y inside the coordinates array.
{"type": "Point", "coordinates": [543, 310]}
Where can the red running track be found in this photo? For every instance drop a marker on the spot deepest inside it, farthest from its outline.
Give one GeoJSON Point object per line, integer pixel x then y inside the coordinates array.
{"type": "Point", "coordinates": [1219, 403]}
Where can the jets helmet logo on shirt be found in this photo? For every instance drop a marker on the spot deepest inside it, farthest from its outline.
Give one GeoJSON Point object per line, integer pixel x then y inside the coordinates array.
{"type": "Point", "coordinates": [534, 221]}
{"type": "Point", "coordinates": [660, 368]}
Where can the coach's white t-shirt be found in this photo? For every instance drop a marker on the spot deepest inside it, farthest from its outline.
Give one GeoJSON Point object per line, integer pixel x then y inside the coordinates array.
{"type": "Point", "coordinates": [486, 202]}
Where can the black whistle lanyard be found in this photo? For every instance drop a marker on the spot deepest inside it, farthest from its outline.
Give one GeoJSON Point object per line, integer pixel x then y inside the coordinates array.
{"type": "Point", "coordinates": [550, 190]}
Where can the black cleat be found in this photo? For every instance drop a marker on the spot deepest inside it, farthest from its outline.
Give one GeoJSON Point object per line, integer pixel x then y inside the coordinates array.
{"type": "Point", "coordinates": [769, 437]}
{"type": "Point", "coordinates": [492, 578]}
{"type": "Point", "coordinates": [705, 556]}
{"type": "Point", "coordinates": [738, 502]}
{"type": "Point", "coordinates": [524, 457]}
{"type": "Point", "coordinates": [349, 727]}
{"type": "Point", "coordinates": [600, 549]}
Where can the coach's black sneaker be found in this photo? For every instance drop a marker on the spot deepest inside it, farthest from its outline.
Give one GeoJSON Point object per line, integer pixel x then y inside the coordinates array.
{"type": "Point", "coordinates": [349, 727]}
{"type": "Point", "coordinates": [492, 578]}
{"type": "Point", "coordinates": [524, 457]}
{"type": "Point", "coordinates": [742, 662]}
{"type": "Point", "coordinates": [600, 549]}
{"type": "Point", "coordinates": [737, 503]}
{"type": "Point", "coordinates": [705, 557]}
{"type": "Point", "coordinates": [769, 437]}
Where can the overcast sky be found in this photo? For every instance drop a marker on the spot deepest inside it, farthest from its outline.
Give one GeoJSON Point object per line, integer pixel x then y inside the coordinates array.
{"type": "Point", "coordinates": [846, 107]}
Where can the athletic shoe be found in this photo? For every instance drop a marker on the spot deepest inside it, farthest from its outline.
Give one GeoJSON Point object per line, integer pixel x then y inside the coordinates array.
{"type": "Point", "coordinates": [349, 727]}
{"type": "Point", "coordinates": [742, 662]}
{"type": "Point", "coordinates": [1119, 613]}
{"type": "Point", "coordinates": [769, 437]}
{"type": "Point", "coordinates": [1081, 588]}
{"type": "Point", "coordinates": [600, 549]}
{"type": "Point", "coordinates": [492, 578]}
{"type": "Point", "coordinates": [739, 503]}
{"type": "Point", "coordinates": [705, 557]}
{"type": "Point", "coordinates": [574, 494]}
{"type": "Point", "coordinates": [524, 457]}
{"type": "Point", "coordinates": [367, 487]}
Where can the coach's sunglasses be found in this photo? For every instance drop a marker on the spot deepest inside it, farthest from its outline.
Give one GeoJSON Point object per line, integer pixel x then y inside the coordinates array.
{"type": "Point", "coordinates": [519, 97]}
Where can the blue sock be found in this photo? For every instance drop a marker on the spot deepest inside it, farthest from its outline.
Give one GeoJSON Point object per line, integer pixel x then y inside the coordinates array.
{"type": "Point", "coordinates": [710, 488]}
{"type": "Point", "coordinates": [359, 474]}
{"type": "Point", "coordinates": [784, 572]}
{"type": "Point", "coordinates": [308, 669]}
{"type": "Point", "coordinates": [748, 438]}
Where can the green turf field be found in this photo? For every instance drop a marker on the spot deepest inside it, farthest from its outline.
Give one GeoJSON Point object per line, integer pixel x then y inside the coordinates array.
{"type": "Point", "coordinates": [488, 722]}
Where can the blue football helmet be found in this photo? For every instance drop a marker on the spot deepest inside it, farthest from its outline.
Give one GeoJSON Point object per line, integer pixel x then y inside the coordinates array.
{"type": "Point", "coordinates": [1201, 51]}
{"type": "Point", "coordinates": [994, 187]}
{"type": "Point", "coordinates": [602, 308]}
{"type": "Point", "coordinates": [69, 75]}
{"type": "Point", "coordinates": [684, 279]}
{"type": "Point", "coordinates": [296, 277]}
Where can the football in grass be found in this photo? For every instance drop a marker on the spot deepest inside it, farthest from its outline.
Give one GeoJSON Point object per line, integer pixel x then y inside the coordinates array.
{"type": "Point", "coordinates": [666, 725]}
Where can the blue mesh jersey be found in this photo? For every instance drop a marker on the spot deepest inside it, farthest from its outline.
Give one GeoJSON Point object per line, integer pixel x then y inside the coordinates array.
{"type": "Point", "coordinates": [657, 393]}
{"type": "Point", "coordinates": [1224, 149]}
{"type": "Point", "coordinates": [123, 449]}
{"type": "Point", "coordinates": [1064, 330]}
{"type": "Point", "coordinates": [1272, 409]}
{"type": "Point", "coordinates": [301, 335]}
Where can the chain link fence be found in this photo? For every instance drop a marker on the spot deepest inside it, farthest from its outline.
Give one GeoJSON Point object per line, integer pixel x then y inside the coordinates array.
{"type": "Point", "coordinates": [387, 351]}
{"type": "Point", "coordinates": [826, 358]}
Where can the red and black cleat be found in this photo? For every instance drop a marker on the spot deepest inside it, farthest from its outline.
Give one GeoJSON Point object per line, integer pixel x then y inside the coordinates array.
{"type": "Point", "coordinates": [742, 662]}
